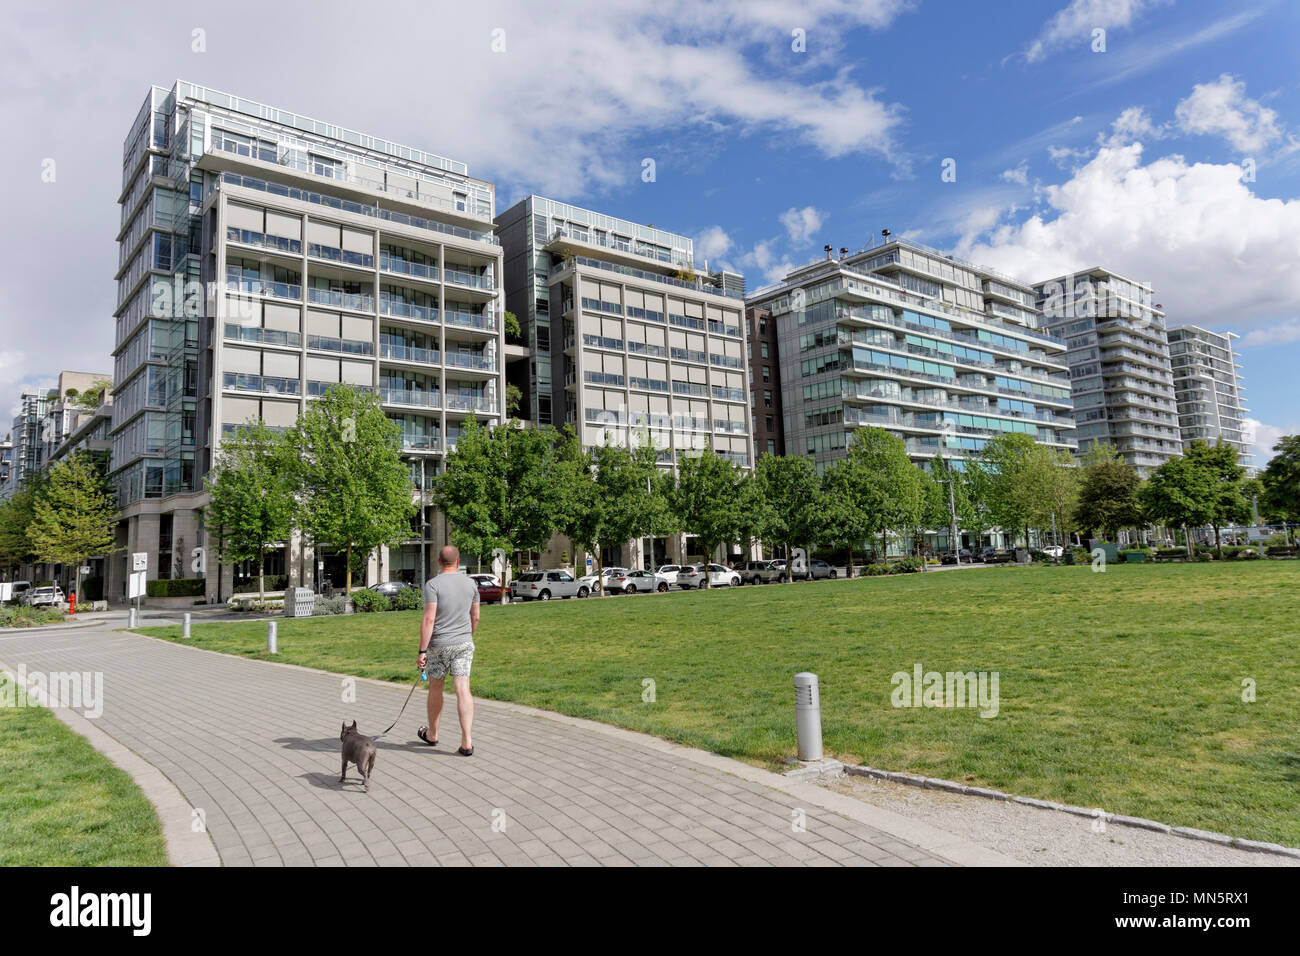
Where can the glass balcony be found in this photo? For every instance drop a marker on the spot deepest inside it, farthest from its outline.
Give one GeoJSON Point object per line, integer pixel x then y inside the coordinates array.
{"type": "Point", "coordinates": [242, 382]}
{"type": "Point", "coordinates": [471, 279]}
{"type": "Point", "coordinates": [263, 336]}
{"type": "Point", "coordinates": [471, 403]}
{"type": "Point", "coordinates": [421, 270]}
{"type": "Point", "coordinates": [276, 290]}
{"type": "Point", "coordinates": [357, 301]}
{"type": "Point", "coordinates": [407, 353]}
{"type": "Point", "coordinates": [410, 396]}
{"type": "Point", "coordinates": [470, 320]}
{"type": "Point", "coordinates": [343, 256]}
{"type": "Point", "coordinates": [328, 343]}
{"type": "Point", "coordinates": [463, 360]}
{"type": "Point", "coordinates": [275, 243]}
{"type": "Point", "coordinates": [409, 310]}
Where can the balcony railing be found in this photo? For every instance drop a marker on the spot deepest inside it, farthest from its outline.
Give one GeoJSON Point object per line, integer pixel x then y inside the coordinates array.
{"type": "Point", "coordinates": [472, 279]}
{"type": "Point", "coordinates": [470, 320]}
{"type": "Point", "coordinates": [407, 353]}
{"type": "Point", "coordinates": [240, 381]}
{"type": "Point", "coordinates": [356, 301]}
{"type": "Point", "coordinates": [410, 396]}
{"type": "Point", "coordinates": [462, 360]}
{"type": "Point", "coordinates": [263, 336]}
{"type": "Point", "coordinates": [408, 310]}
{"type": "Point", "coordinates": [361, 259]}
{"type": "Point", "coordinates": [423, 270]}
{"type": "Point", "coordinates": [466, 403]}
{"type": "Point", "coordinates": [277, 290]}
{"type": "Point", "coordinates": [275, 243]}
{"type": "Point", "coordinates": [328, 343]}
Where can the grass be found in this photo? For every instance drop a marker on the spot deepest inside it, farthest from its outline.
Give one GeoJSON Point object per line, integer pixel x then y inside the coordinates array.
{"type": "Point", "coordinates": [1121, 690]}
{"type": "Point", "coordinates": [65, 804]}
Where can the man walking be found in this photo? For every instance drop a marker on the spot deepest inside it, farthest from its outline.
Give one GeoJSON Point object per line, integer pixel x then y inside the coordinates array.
{"type": "Point", "coordinates": [451, 612]}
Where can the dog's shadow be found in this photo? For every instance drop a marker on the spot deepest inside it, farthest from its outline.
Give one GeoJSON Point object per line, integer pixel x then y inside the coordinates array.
{"type": "Point", "coordinates": [331, 745]}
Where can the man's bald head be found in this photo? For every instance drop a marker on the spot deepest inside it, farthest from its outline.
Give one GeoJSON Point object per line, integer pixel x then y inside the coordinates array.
{"type": "Point", "coordinates": [449, 556]}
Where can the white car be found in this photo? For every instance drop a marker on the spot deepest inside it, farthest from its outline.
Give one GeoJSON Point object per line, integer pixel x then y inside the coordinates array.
{"type": "Point", "coordinates": [630, 582]}
{"type": "Point", "coordinates": [693, 576]}
{"type": "Point", "coordinates": [590, 579]}
{"type": "Point", "coordinates": [1054, 551]}
{"type": "Point", "coordinates": [489, 578]}
{"type": "Point", "coordinates": [44, 597]}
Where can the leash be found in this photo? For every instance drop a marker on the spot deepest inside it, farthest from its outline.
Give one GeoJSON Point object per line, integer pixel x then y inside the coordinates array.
{"type": "Point", "coordinates": [403, 710]}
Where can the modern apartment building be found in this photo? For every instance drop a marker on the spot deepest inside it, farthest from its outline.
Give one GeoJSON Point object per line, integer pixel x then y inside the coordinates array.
{"type": "Point", "coordinates": [1118, 355]}
{"type": "Point", "coordinates": [626, 339]}
{"type": "Point", "coordinates": [25, 436]}
{"type": "Point", "coordinates": [1208, 388]}
{"type": "Point", "coordinates": [943, 353]}
{"type": "Point", "coordinates": [67, 412]}
{"type": "Point", "coordinates": [265, 256]}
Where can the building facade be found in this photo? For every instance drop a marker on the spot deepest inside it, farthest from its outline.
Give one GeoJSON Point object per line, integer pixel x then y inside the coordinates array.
{"type": "Point", "coordinates": [765, 382]}
{"type": "Point", "coordinates": [626, 341]}
{"type": "Point", "coordinates": [1208, 388]}
{"type": "Point", "coordinates": [942, 353]}
{"type": "Point", "coordinates": [265, 256]}
{"type": "Point", "coordinates": [1120, 373]}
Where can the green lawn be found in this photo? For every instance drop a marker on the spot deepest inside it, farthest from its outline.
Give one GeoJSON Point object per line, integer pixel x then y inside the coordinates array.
{"type": "Point", "coordinates": [62, 803]}
{"type": "Point", "coordinates": [1120, 690]}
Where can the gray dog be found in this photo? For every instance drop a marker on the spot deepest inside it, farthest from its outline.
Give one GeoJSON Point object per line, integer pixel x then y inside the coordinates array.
{"type": "Point", "coordinates": [358, 749]}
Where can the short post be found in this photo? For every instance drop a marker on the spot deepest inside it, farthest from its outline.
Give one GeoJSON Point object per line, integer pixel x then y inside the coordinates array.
{"type": "Point", "coordinates": [185, 628]}
{"type": "Point", "coordinates": [808, 716]}
{"type": "Point", "coordinates": [270, 637]}
{"type": "Point", "coordinates": [132, 624]}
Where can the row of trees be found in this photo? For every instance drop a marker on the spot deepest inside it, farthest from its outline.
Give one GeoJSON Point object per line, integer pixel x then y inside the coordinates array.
{"type": "Point", "coordinates": [63, 516]}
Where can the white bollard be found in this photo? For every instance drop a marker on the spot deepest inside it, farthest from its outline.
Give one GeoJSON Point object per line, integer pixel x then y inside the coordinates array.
{"type": "Point", "coordinates": [808, 716]}
{"type": "Point", "coordinates": [132, 624]}
{"type": "Point", "coordinates": [271, 638]}
{"type": "Point", "coordinates": [185, 628]}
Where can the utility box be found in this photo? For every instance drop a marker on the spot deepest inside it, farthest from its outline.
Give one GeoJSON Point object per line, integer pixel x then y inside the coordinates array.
{"type": "Point", "coordinates": [300, 602]}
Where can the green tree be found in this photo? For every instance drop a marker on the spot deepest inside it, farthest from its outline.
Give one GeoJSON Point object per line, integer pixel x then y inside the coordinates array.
{"type": "Point", "coordinates": [791, 504]}
{"type": "Point", "coordinates": [706, 501]}
{"type": "Point", "coordinates": [251, 496]}
{"type": "Point", "coordinates": [1281, 481]}
{"type": "Point", "coordinates": [1014, 491]}
{"type": "Point", "coordinates": [845, 521]}
{"type": "Point", "coordinates": [511, 325]}
{"type": "Point", "coordinates": [75, 515]}
{"type": "Point", "coordinates": [888, 487]}
{"type": "Point", "coordinates": [1229, 502]}
{"type": "Point", "coordinates": [16, 515]}
{"type": "Point", "coordinates": [355, 489]}
{"type": "Point", "coordinates": [1108, 493]}
{"type": "Point", "coordinates": [1180, 493]}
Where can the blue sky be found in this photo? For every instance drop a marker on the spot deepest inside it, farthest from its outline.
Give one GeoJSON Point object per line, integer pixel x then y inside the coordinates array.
{"type": "Point", "coordinates": [1172, 156]}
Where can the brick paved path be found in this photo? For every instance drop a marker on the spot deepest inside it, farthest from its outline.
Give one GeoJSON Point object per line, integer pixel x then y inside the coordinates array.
{"type": "Point", "coordinates": [254, 745]}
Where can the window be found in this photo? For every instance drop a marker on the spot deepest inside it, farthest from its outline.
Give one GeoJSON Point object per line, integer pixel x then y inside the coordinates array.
{"type": "Point", "coordinates": [764, 350]}
{"type": "Point", "coordinates": [767, 398]}
{"type": "Point", "coordinates": [771, 446]}
{"type": "Point", "coordinates": [767, 373]}
{"type": "Point", "coordinates": [770, 422]}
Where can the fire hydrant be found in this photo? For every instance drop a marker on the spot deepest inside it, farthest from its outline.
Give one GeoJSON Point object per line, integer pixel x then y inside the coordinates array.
{"type": "Point", "coordinates": [72, 602]}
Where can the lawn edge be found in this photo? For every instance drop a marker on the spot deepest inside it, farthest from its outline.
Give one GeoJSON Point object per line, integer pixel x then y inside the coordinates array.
{"type": "Point", "coordinates": [174, 813]}
{"type": "Point", "coordinates": [833, 768]}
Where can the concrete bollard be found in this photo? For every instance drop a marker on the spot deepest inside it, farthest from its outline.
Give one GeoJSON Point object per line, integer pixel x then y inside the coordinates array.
{"type": "Point", "coordinates": [185, 628]}
{"type": "Point", "coordinates": [271, 643]}
{"type": "Point", "coordinates": [808, 716]}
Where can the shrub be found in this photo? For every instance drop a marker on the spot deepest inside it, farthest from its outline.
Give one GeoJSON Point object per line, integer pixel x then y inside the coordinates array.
{"type": "Point", "coordinates": [366, 600]}
{"type": "Point", "coordinates": [175, 587]}
{"type": "Point", "coordinates": [1248, 554]}
{"type": "Point", "coordinates": [274, 582]}
{"type": "Point", "coordinates": [1204, 556]}
{"type": "Point", "coordinates": [905, 565]}
{"type": "Point", "coordinates": [335, 605]}
{"type": "Point", "coordinates": [29, 616]}
{"type": "Point", "coordinates": [1081, 555]}
{"type": "Point", "coordinates": [408, 599]}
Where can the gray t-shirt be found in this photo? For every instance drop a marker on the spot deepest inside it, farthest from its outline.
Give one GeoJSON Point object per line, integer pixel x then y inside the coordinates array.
{"type": "Point", "coordinates": [453, 593]}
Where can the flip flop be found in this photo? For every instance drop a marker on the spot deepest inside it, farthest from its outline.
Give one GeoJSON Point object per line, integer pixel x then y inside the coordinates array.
{"type": "Point", "coordinates": [465, 753]}
{"type": "Point", "coordinates": [420, 733]}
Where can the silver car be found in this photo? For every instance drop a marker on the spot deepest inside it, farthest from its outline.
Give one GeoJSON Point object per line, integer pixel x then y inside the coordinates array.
{"type": "Point", "coordinates": [694, 576]}
{"type": "Point", "coordinates": [545, 585]}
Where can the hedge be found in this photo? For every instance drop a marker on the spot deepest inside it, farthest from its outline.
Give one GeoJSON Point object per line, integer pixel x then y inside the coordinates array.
{"type": "Point", "coordinates": [176, 587]}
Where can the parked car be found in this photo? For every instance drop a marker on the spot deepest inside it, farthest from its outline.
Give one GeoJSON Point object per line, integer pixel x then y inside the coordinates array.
{"type": "Point", "coordinates": [987, 554]}
{"type": "Point", "coordinates": [545, 585]}
{"type": "Point", "coordinates": [44, 597]}
{"type": "Point", "coordinates": [756, 572]}
{"type": "Point", "coordinates": [390, 588]}
{"type": "Point", "coordinates": [669, 572]}
{"type": "Point", "coordinates": [490, 578]}
{"type": "Point", "coordinates": [718, 576]}
{"type": "Point", "coordinates": [963, 553]}
{"type": "Point", "coordinates": [488, 589]}
{"type": "Point", "coordinates": [819, 570]}
{"type": "Point", "coordinates": [1054, 551]}
{"type": "Point", "coordinates": [590, 579]}
{"type": "Point", "coordinates": [14, 590]}
{"type": "Point", "coordinates": [630, 582]}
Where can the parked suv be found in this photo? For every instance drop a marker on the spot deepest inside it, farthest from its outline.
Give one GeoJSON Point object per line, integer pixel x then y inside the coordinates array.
{"type": "Point", "coordinates": [751, 572]}
{"type": "Point", "coordinates": [44, 597]}
{"type": "Point", "coordinates": [693, 576]}
{"type": "Point", "coordinates": [545, 585]}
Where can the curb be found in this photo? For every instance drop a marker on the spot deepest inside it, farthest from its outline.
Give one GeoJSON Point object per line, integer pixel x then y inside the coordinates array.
{"type": "Point", "coordinates": [834, 768]}
{"type": "Point", "coordinates": [184, 846]}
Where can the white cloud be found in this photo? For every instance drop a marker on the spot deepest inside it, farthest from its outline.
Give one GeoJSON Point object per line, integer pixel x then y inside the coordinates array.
{"type": "Point", "coordinates": [1216, 253]}
{"type": "Point", "coordinates": [1074, 24]}
{"type": "Point", "coordinates": [1018, 175]}
{"type": "Point", "coordinates": [712, 243]}
{"type": "Point", "coordinates": [764, 259]}
{"type": "Point", "coordinates": [1222, 109]}
{"type": "Point", "coordinates": [800, 224]}
{"type": "Point", "coordinates": [1261, 438]}
{"type": "Point", "coordinates": [1132, 124]}
{"type": "Point", "coordinates": [1282, 333]}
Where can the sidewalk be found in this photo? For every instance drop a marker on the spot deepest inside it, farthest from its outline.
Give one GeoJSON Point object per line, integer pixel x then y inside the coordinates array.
{"type": "Point", "coordinates": [254, 746]}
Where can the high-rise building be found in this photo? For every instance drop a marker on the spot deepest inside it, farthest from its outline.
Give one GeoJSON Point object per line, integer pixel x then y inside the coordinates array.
{"type": "Point", "coordinates": [943, 353]}
{"type": "Point", "coordinates": [1118, 355]}
{"type": "Point", "coordinates": [265, 256]}
{"type": "Point", "coordinates": [765, 382]}
{"type": "Point", "coordinates": [28, 448]}
{"type": "Point", "coordinates": [1208, 389]}
{"type": "Point", "coordinates": [626, 339]}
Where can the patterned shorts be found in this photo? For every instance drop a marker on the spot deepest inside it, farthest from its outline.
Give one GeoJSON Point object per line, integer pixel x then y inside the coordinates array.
{"type": "Point", "coordinates": [454, 660]}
